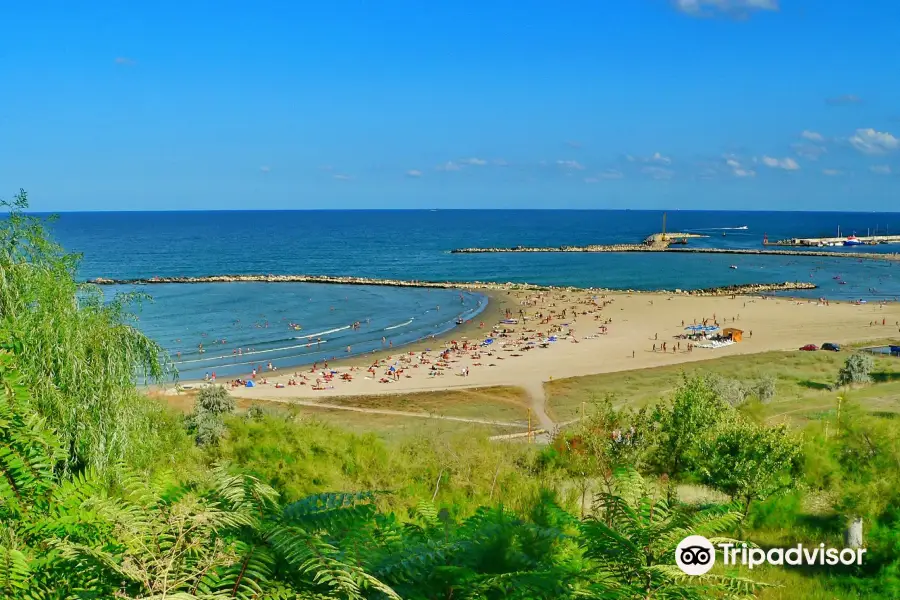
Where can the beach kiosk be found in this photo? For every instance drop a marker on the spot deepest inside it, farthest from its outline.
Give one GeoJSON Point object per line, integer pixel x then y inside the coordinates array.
{"type": "Point", "coordinates": [733, 334]}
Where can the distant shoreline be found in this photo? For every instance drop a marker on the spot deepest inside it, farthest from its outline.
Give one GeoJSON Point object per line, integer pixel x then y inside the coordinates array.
{"type": "Point", "coordinates": [614, 248]}
{"type": "Point", "coordinates": [728, 290]}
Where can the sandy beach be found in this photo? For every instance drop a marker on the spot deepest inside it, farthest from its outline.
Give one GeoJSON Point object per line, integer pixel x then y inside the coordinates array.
{"type": "Point", "coordinates": [591, 333]}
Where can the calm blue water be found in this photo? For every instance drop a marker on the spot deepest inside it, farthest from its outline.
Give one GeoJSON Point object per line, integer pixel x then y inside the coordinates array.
{"type": "Point", "coordinates": [415, 245]}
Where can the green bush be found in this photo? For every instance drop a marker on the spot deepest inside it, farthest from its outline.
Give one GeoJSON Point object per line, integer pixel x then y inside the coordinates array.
{"type": "Point", "coordinates": [856, 370]}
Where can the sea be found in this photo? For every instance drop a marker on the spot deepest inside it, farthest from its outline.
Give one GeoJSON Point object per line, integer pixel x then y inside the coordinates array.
{"type": "Point", "coordinates": [243, 325]}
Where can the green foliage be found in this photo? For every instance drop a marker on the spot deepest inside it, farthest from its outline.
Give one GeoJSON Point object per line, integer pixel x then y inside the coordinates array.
{"type": "Point", "coordinates": [632, 537]}
{"type": "Point", "coordinates": [28, 450]}
{"type": "Point", "coordinates": [748, 461]}
{"type": "Point", "coordinates": [736, 392]}
{"type": "Point", "coordinates": [729, 390]}
{"type": "Point", "coordinates": [207, 424]}
{"type": "Point", "coordinates": [75, 348]}
{"type": "Point", "coordinates": [856, 370]}
{"type": "Point", "coordinates": [681, 424]}
{"type": "Point", "coordinates": [765, 388]}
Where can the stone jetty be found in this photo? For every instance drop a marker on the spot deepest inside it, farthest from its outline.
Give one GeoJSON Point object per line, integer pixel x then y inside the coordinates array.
{"type": "Point", "coordinates": [745, 289]}
{"type": "Point", "coordinates": [645, 248]}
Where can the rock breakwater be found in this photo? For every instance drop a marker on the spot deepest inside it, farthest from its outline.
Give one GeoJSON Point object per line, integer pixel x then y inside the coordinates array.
{"type": "Point", "coordinates": [645, 248]}
{"type": "Point", "coordinates": [744, 289]}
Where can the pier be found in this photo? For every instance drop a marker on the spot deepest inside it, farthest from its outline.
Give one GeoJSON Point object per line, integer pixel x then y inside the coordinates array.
{"type": "Point", "coordinates": [656, 248]}
{"type": "Point", "coordinates": [865, 240]}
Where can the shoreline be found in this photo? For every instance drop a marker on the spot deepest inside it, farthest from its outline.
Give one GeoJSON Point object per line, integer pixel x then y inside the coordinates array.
{"type": "Point", "coordinates": [590, 335]}
{"type": "Point", "coordinates": [477, 286]}
{"type": "Point", "coordinates": [494, 300]}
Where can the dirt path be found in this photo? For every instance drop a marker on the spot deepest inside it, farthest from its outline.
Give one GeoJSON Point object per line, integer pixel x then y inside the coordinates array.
{"type": "Point", "coordinates": [538, 398]}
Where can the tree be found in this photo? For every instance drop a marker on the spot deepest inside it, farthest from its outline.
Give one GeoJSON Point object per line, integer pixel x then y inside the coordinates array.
{"type": "Point", "coordinates": [681, 424]}
{"type": "Point", "coordinates": [748, 461]}
{"type": "Point", "coordinates": [207, 423]}
{"type": "Point", "coordinates": [856, 370]}
{"type": "Point", "coordinates": [732, 391]}
{"type": "Point", "coordinates": [765, 388]}
{"type": "Point", "coordinates": [76, 349]}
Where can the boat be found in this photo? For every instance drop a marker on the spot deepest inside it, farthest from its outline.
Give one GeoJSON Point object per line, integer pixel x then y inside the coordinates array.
{"type": "Point", "coordinates": [733, 267]}
{"type": "Point", "coordinates": [853, 241]}
{"type": "Point", "coordinates": [460, 321]}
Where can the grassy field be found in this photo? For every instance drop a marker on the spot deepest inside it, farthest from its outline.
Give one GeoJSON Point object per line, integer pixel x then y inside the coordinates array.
{"type": "Point", "coordinates": [387, 427]}
{"type": "Point", "coordinates": [803, 384]}
{"type": "Point", "coordinates": [500, 404]}
{"type": "Point", "coordinates": [494, 403]}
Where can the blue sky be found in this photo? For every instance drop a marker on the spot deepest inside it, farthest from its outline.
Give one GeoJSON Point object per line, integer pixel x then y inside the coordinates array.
{"type": "Point", "coordinates": [730, 104]}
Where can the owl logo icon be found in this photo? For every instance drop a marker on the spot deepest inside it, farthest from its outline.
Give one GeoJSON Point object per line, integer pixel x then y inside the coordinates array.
{"type": "Point", "coordinates": [695, 555]}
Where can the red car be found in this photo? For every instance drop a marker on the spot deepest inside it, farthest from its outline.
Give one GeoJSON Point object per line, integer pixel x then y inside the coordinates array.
{"type": "Point", "coordinates": [809, 348]}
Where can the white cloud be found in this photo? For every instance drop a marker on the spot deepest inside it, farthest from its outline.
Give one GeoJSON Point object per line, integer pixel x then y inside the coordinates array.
{"type": "Point", "coordinates": [125, 61]}
{"type": "Point", "coordinates": [591, 180]}
{"type": "Point", "coordinates": [478, 162]}
{"type": "Point", "coordinates": [265, 169]}
{"type": "Point", "coordinates": [414, 173]}
{"type": "Point", "coordinates": [812, 136]}
{"type": "Point", "coordinates": [809, 151]}
{"type": "Point", "coordinates": [341, 177]}
{"type": "Point", "coordinates": [738, 169]}
{"type": "Point", "coordinates": [658, 173]}
{"type": "Point", "coordinates": [448, 166]}
{"type": "Point", "coordinates": [705, 8]}
{"type": "Point", "coordinates": [832, 172]}
{"type": "Point", "coordinates": [870, 141]}
{"type": "Point", "coordinates": [573, 144]}
{"type": "Point", "coordinates": [570, 164]}
{"type": "Point", "coordinates": [881, 169]}
{"type": "Point", "coordinates": [788, 164]}
{"type": "Point", "coordinates": [655, 158]}
{"type": "Point", "coordinates": [499, 162]}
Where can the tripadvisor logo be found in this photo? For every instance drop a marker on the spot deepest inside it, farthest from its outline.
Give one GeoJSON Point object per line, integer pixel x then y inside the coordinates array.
{"type": "Point", "coordinates": [696, 555]}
